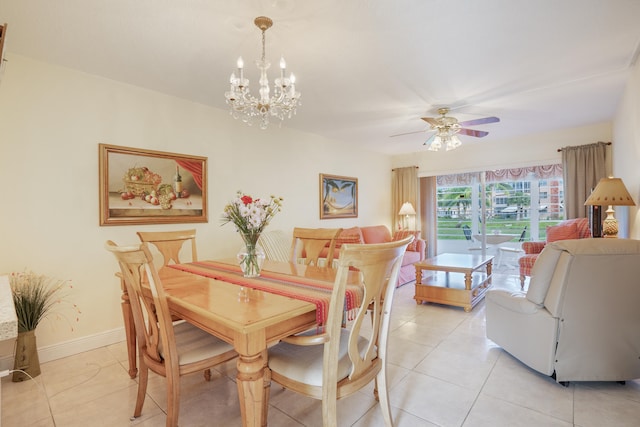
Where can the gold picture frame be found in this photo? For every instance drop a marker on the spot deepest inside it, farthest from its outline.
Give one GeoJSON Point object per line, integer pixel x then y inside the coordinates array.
{"type": "Point", "coordinates": [338, 196]}
{"type": "Point", "coordinates": [140, 186]}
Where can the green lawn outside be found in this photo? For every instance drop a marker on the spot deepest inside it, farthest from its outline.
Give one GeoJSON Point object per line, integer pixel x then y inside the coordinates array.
{"type": "Point", "coordinates": [451, 228]}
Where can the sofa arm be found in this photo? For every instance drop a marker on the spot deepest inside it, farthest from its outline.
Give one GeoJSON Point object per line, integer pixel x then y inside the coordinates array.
{"type": "Point", "coordinates": [533, 247]}
{"type": "Point", "coordinates": [421, 248]}
{"type": "Point", "coordinates": [513, 301]}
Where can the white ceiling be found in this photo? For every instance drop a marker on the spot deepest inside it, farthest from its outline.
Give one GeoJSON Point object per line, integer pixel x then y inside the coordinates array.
{"type": "Point", "coordinates": [367, 69]}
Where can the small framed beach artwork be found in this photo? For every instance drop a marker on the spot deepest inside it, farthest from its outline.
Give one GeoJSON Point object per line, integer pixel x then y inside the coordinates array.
{"type": "Point", "coordinates": [338, 197]}
{"type": "Point", "coordinates": [140, 186]}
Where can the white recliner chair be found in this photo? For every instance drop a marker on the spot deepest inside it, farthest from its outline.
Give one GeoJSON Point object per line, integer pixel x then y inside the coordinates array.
{"type": "Point", "coordinates": [580, 318]}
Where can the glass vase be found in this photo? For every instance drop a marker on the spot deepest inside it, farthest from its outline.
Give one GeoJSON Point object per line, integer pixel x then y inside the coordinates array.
{"type": "Point", "coordinates": [251, 257]}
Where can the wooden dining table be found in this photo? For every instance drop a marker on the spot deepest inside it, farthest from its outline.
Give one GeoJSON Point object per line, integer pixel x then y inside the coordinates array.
{"type": "Point", "coordinates": [249, 319]}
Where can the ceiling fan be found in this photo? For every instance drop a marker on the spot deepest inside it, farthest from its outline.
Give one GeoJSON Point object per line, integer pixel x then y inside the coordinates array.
{"type": "Point", "coordinates": [446, 129]}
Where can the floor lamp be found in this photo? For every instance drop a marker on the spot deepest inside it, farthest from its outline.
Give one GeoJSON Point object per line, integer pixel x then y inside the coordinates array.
{"type": "Point", "coordinates": [610, 192]}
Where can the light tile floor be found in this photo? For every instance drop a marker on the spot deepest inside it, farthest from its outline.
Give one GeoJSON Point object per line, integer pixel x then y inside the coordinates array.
{"type": "Point", "coordinates": [443, 372]}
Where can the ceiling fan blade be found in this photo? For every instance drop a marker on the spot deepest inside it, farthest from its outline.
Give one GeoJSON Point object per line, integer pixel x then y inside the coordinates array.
{"type": "Point", "coordinates": [473, 132]}
{"type": "Point", "coordinates": [476, 122]}
{"type": "Point", "coordinates": [430, 120]}
{"type": "Point", "coordinates": [428, 141]}
{"type": "Point", "coordinates": [408, 133]}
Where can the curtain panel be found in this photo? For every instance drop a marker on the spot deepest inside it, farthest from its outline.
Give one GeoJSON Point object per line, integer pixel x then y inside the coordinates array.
{"type": "Point", "coordinates": [583, 167]}
{"type": "Point", "coordinates": [404, 188]}
{"type": "Point", "coordinates": [429, 213]}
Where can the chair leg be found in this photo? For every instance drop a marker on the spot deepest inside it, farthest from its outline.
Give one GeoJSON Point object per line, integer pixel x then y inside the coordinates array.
{"type": "Point", "coordinates": [330, 406]}
{"type": "Point", "coordinates": [522, 279]}
{"type": "Point", "coordinates": [383, 396]}
{"type": "Point", "coordinates": [143, 378]}
{"type": "Point", "coordinates": [207, 374]}
{"type": "Point", "coordinates": [130, 332]}
{"type": "Point", "coordinates": [173, 400]}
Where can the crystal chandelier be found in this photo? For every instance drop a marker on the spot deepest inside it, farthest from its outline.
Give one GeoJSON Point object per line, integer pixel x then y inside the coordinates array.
{"type": "Point", "coordinates": [247, 107]}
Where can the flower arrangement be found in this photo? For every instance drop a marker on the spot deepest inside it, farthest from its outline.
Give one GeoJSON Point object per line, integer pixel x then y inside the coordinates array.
{"type": "Point", "coordinates": [251, 216]}
{"type": "Point", "coordinates": [37, 296]}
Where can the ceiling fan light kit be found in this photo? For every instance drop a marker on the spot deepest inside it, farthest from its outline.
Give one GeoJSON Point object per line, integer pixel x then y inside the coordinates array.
{"type": "Point", "coordinates": [446, 129]}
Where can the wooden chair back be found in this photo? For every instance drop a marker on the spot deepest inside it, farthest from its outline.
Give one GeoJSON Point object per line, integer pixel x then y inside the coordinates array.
{"type": "Point", "coordinates": [309, 243]}
{"type": "Point", "coordinates": [151, 317]}
{"type": "Point", "coordinates": [275, 244]}
{"type": "Point", "coordinates": [361, 348]}
{"type": "Point", "coordinates": [170, 244]}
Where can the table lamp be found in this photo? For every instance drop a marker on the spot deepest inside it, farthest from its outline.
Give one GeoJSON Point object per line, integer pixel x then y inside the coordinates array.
{"type": "Point", "coordinates": [406, 209]}
{"type": "Point", "coordinates": [610, 192]}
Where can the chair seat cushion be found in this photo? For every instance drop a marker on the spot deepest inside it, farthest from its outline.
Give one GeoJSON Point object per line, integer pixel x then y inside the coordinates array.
{"type": "Point", "coordinates": [194, 344]}
{"type": "Point", "coordinates": [304, 363]}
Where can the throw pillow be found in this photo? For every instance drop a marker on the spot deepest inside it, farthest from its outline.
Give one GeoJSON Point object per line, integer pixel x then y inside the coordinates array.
{"type": "Point", "coordinates": [401, 234]}
{"type": "Point", "coordinates": [349, 235]}
{"type": "Point", "coordinates": [562, 232]}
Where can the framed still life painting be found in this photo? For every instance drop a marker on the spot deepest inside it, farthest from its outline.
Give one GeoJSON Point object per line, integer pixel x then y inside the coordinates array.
{"type": "Point", "coordinates": [338, 197]}
{"type": "Point", "coordinates": [151, 187]}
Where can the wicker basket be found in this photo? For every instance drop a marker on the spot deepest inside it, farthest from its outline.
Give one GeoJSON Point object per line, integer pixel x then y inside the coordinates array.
{"type": "Point", "coordinates": [139, 187]}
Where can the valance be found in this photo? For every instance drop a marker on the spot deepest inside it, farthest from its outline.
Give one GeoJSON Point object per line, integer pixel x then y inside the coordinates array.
{"type": "Point", "coordinates": [502, 175]}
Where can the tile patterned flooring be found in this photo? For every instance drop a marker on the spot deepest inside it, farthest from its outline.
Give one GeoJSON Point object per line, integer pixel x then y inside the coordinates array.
{"type": "Point", "coordinates": [443, 372]}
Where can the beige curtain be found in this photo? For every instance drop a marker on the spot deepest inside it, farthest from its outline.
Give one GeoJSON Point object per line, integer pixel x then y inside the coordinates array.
{"type": "Point", "coordinates": [428, 213]}
{"type": "Point", "coordinates": [404, 188]}
{"type": "Point", "coordinates": [583, 166]}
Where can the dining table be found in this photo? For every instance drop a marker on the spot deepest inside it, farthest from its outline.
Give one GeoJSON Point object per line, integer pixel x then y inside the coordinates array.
{"type": "Point", "coordinates": [253, 313]}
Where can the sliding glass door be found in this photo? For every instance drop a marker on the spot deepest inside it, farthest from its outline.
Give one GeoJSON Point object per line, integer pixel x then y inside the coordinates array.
{"type": "Point", "coordinates": [483, 210]}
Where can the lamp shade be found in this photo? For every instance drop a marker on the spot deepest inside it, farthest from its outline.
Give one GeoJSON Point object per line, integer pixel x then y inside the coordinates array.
{"type": "Point", "coordinates": [407, 209]}
{"type": "Point", "coordinates": [610, 192]}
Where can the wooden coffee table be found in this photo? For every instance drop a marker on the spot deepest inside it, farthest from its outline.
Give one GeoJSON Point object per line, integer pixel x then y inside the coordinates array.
{"type": "Point", "coordinates": [460, 280]}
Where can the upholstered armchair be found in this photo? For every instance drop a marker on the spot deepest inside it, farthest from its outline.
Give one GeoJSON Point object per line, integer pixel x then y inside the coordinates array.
{"type": "Point", "coordinates": [577, 228]}
{"type": "Point", "coordinates": [579, 319]}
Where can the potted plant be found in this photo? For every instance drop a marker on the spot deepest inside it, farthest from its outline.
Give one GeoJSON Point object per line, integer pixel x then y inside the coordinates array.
{"type": "Point", "coordinates": [34, 297]}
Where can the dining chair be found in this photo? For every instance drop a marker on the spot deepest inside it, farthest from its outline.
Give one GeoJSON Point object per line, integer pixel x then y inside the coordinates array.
{"type": "Point", "coordinates": [309, 245]}
{"type": "Point", "coordinates": [516, 250]}
{"type": "Point", "coordinates": [340, 361]}
{"type": "Point", "coordinates": [170, 244]}
{"type": "Point", "coordinates": [275, 244]}
{"type": "Point", "coordinates": [164, 347]}
{"type": "Point", "coordinates": [467, 235]}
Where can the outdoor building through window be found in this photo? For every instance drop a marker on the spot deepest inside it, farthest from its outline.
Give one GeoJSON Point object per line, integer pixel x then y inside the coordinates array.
{"type": "Point", "coordinates": [499, 202]}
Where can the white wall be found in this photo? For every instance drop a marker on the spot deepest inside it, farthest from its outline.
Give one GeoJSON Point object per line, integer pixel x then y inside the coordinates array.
{"type": "Point", "coordinates": [626, 159]}
{"type": "Point", "coordinates": [51, 121]}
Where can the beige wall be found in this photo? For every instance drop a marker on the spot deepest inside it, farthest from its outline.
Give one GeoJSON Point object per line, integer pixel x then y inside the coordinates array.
{"type": "Point", "coordinates": [51, 121]}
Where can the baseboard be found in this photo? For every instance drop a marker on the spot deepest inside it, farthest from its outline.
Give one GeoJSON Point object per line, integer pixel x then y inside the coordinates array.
{"type": "Point", "coordinates": [69, 348]}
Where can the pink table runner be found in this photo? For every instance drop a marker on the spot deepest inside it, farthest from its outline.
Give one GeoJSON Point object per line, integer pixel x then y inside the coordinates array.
{"type": "Point", "coordinates": [317, 292]}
